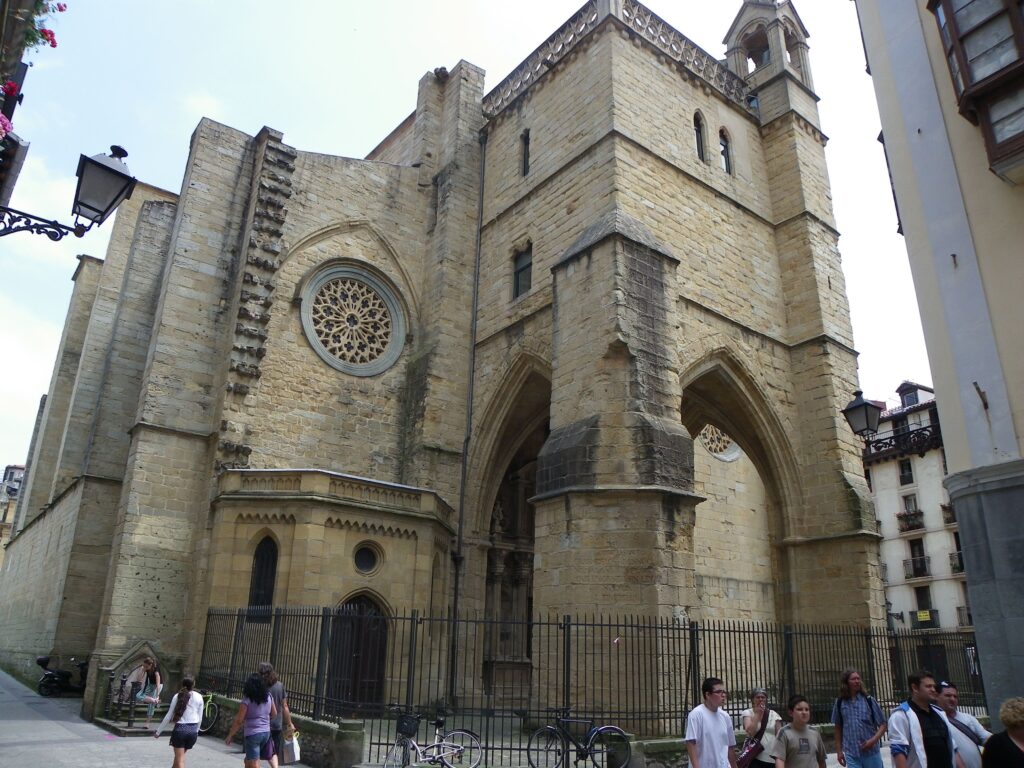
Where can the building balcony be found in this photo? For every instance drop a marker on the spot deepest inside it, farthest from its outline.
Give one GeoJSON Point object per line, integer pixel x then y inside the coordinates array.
{"type": "Point", "coordinates": [948, 516]}
{"type": "Point", "coordinates": [886, 445]}
{"type": "Point", "coordinates": [884, 572]}
{"type": "Point", "coordinates": [926, 619]}
{"type": "Point", "coordinates": [917, 567]}
{"type": "Point", "coordinates": [956, 562]}
{"type": "Point", "coordinates": [963, 616]}
{"type": "Point", "coordinates": [910, 521]}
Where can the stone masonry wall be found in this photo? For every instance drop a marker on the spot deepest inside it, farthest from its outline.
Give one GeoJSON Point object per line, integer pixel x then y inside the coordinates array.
{"type": "Point", "coordinates": [733, 539]}
{"type": "Point", "coordinates": [32, 586]}
{"type": "Point", "coordinates": [103, 401]}
{"type": "Point", "coordinates": [36, 490]}
{"type": "Point", "coordinates": [164, 501]}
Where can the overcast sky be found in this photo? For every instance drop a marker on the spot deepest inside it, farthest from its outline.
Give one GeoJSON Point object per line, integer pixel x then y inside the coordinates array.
{"type": "Point", "coordinates": [336, 77]}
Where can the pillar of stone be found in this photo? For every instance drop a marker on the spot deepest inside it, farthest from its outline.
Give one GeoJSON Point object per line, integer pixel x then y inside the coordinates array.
{"type": "Point", "coordinates": [614, 507]}
{"type": "Point", "coordinates": [614, 502]}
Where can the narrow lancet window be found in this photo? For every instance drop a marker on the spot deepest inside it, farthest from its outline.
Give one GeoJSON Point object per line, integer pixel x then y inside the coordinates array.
{"type": "Point", "coordinates": [698, 135]}
{"type": "Point", "coordinates": [723, 142]}
{"type": "Point", "coordinates": [264, 573]}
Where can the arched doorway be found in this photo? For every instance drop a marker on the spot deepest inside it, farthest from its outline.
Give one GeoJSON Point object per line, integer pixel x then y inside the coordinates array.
{"type": "Point", "coordinates": [507, 535]}
{"type": "Point", "coordinates": [739, 459]}
{"type": "Point", "coordinates": [357, 656]}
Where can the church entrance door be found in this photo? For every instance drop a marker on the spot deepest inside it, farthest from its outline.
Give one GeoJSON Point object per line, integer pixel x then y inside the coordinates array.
{"type": "Point", "coordinates": [358, 650]}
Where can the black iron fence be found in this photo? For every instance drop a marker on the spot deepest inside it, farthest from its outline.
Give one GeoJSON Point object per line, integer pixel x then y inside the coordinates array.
{"type": "Point", "coordinates": [501, 679]}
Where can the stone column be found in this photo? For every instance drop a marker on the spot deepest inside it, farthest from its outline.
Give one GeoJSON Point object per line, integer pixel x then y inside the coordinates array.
{"type": "Point", "coordinates": [614, 504]}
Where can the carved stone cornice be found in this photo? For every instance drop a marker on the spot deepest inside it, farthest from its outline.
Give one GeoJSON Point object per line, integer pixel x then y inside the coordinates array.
{"type": "Point", "coordinates": [640, 21]}
{"type": "Point", "coordinates": [334, 489]}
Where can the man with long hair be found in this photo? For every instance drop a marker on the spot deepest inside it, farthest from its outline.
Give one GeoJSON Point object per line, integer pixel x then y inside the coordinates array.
{"type": "Point", "coordinates": [279, 694]}
{"type": "Point", "coordinates": [860, 724]}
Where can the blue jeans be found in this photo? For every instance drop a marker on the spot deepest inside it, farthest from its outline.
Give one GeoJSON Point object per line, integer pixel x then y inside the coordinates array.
{"type": "Point", "coordinates": [872, 760]}
{"type": "Point", "coordinates": [254, 743]}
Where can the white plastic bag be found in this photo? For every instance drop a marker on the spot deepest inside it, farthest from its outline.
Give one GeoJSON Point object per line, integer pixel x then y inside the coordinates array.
{"type": "Point", "coordinates": [290, 750]}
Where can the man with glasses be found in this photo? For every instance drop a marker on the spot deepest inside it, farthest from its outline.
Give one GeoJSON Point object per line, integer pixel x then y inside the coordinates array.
{"type": "Point", "coordinates": [710, 739]}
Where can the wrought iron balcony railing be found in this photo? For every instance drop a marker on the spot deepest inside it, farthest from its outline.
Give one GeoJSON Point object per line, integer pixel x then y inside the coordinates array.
{"type": "Point", "coordinates": [956, 562]}
{"type": "Point", "coordinates": [917, 567]}
{"type": "Point", "coordinates": [885, 572]}
{"type": "Point", "coordinates": [926, 619]}
{"type": "Point", "coordinates": [919, 441]}
{"type": "Point", "coordinates": [963, 616]}
{"type": "Point", "coordinates": [910, 521]}
{"type": "Point", "coordinates": [948, 516]}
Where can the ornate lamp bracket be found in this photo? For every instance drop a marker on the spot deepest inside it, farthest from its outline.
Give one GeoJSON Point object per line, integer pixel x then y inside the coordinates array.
{"type": "Point", "coordinates": [19, 221]}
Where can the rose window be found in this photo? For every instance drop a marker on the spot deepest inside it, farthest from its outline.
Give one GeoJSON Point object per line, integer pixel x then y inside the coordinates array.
{"type": "Point", "coordinates": [353, 320]}
{"type": "Point", "coordinates": [719, 444]}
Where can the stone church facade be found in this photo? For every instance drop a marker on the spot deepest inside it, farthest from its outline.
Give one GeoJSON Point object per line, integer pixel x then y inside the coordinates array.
{"type": "Point", "coordinates": [576, 344]}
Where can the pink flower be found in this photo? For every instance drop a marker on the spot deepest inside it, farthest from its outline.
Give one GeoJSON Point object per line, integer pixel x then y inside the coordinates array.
{"type": "Point", "coordinates": [61, 7]}
{"type": "Point", "coordinates": [10, 88]}
{"type": "Point", "coordinates": [5, 126]}
{"type": "Point", "coordinates": [49, 36]}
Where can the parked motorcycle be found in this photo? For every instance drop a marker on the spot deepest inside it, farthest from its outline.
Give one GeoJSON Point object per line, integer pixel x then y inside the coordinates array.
{"type": "Point", "coordinates": [57, 681]}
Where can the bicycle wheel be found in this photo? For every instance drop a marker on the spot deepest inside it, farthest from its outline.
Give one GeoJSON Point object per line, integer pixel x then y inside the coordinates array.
{"type": "Point", "coordinates": [398, 755]}
{"type": "Point", "coordinates": [461, 749]}
{"type": "Point", "coordinates": [609, 748]}
{"type": "Point", "coordinates": [210, 714]}
{"type": "Point", "coordinates": [546, 748]}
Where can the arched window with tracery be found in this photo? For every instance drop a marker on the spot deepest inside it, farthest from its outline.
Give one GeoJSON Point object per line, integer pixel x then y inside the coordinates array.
{"type": "Point", "coordinates": [723, 143]}
{"type": "Point", "coordinates": [698, 135]}
{"type": "Point", "coordinates": [264, 574]}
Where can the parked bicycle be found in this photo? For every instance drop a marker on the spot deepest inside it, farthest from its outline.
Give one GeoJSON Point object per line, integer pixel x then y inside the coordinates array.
{"type": "Point", "coordinates": [456, 749]}
{"type": "Point", "coordinates": [211, 711]}
{"type": "Point", "coordinates": [607, 746]}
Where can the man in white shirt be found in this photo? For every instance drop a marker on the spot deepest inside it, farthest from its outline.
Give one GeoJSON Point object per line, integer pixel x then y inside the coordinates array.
{"type": "Point", "coordinates": [710, 738]}
{"type": "Point", "coordinates": [967, 731]}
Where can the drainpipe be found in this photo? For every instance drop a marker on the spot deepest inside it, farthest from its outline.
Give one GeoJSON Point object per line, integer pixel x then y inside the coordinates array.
{"type": "Point", "coordinates": [457, 556]}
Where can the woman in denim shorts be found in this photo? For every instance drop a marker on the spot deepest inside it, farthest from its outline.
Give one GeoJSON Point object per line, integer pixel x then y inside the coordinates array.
{"type": "Point", "coordinates": [255, 712]}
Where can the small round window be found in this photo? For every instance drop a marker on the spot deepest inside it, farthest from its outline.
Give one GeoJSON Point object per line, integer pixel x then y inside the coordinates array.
{"type": "Point", "coordinates": [367, 558]}
{"type": "Point", "coordinates": [353, 320]}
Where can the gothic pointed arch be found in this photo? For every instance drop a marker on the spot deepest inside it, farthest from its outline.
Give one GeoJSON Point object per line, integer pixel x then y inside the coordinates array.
{"type": "Point", "coordinates": [719, 390]}
{"type": "Point", "coordinates": [395, 265]}
{"type": "Point", "coordinates": [525, 389]}
{"type": "Point", "coordinates": [357, 656]}
{"type": "Point", "coordinates": [264, 573]}
{"type": "Point", "coordinates": [366, 601]}
{"type": "Point", "coordinates": [700, 135]}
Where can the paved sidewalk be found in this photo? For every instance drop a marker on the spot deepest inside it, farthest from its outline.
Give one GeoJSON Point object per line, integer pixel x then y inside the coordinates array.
{"type": "Point", "coordinates": [36, 732]}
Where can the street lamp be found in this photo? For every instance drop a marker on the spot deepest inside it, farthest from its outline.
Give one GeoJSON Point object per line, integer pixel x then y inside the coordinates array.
{"type": "Point", "coordinates": [862, 415]}
{"type": "Point", "coordinates": [103, 184]}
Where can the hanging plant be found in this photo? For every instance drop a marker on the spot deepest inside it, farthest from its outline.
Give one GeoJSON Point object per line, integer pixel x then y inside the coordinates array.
{"type": "Point", "coordinates": [37, 33]}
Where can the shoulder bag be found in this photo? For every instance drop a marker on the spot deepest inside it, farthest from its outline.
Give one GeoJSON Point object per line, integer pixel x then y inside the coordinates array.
{"type": "Point", "coordinates": [753, 747]}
